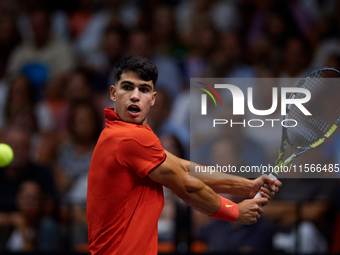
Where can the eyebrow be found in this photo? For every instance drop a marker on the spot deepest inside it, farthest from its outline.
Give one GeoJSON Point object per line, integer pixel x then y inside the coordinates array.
{"type": "Point", "coordinates": [146, 85]}
{"type": "Point", "coordinates": [128, 82]}
{"type": "Point", "coordinates": [141, 85]}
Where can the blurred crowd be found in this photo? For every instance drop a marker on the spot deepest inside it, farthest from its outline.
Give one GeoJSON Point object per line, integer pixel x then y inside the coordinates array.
{"type": "Point", "coordinates": [56, 60]}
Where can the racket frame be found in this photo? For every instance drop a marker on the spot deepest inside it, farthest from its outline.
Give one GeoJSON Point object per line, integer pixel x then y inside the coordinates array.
{"type": "Point", "coordinates": [280, 162]}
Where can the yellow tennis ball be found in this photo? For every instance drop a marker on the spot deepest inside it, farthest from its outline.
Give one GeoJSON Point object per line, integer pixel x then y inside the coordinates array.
{"type": "Point", "coordinates": [6, 155]}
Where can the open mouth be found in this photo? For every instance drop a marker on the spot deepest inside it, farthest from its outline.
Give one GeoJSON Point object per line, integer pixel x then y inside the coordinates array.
{"type": "Point", "coordinates": [133, 109]}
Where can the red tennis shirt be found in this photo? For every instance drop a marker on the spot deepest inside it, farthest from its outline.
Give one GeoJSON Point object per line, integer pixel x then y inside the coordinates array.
{"type": "Point", "coordinates": [123, 204]}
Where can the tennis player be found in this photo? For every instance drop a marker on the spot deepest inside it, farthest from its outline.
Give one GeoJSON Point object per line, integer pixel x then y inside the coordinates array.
{"type": "Point", "coordinates": [129, 168]}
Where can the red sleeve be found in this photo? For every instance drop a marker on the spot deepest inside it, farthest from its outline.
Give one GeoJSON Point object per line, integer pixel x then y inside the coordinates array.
{"type": "Point", "coordinates": [140, 156]}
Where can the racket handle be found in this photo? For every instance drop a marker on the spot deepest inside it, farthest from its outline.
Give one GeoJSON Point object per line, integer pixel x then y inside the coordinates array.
{"type": "Point", "coordinates": [271, 175]}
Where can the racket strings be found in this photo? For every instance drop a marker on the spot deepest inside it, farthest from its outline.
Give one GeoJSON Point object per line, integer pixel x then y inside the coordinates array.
{"type": "Point", "coordinates": [324, 106]}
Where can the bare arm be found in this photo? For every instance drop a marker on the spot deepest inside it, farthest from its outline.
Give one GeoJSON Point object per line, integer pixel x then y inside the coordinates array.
{"type": "Point", "coordinates": [227, 183]}
{"type": "Point", "coordinates": [194, 192]}
{"type": "Point", "coordinates": [191, 190]}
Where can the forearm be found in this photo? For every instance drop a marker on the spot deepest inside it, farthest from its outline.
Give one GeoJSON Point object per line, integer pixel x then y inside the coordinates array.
{"type": "Point", "coordinates": [191, 190]}
{"type": "Point", "coordinates": [219, 182]}
{"type": "Point", "coordinates": [230, 185]}
{"type": "Point", "coordinates": [199, 196]}
{"type": "Point", "coordinates": [202, 198]}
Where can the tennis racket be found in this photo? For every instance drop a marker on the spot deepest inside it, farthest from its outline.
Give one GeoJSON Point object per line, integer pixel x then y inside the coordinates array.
{"type": "Point", "coordinates": [310, 130]}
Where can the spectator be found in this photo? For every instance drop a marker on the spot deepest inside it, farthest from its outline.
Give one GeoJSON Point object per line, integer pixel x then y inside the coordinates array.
{"type": "Point", "coordinates": [231, 237]}
{"type": "Point", "coordinates": [161, 124]}
{"type": "Point", "coordinates": [61, 93]}
{"type": "Point", "coordinates": [203, 41]}
{"type": "Point", "coordinates": [158, 116]}
{"type": "Point", "coordinates": [274, 21]}
{"type": "Point", "coordinates": [72, 165]}
{"type": "Point", "coordinates": [324, 51]}
{"type": "Point", "coordinates": [170, 78]}
{"type": "Point", "coordinates": [101, 61]}
{"type": "Point", "coordinates": [33, 230]}
{"type": "Point", "coordinates": [164, 32]}
{"type": "Point", "coordinates": [25, 8]}
{"type": "Point", "coordinates": [222, 14]}
{"type": "Point", "coordinates": [20, 96]}
{"type": "Point", "coordinates": [80, 17]}
{"type": "Point", "coordinates": [296, 58]}
{"type": "Point", "coordinates": [90, 39]}
{"type": "Point", "coordinates": [301, 213]}
{"type": "Point", "coordinates": [174, 223]}
{"type": "Point", "coordinates": [269, 135]}
{"type": "Point", "coordinates": [20, 110]}
{"type": "Point", "coordinates": [228, 58]}
{"type": "Point", "coordinates": [21, 169]}
{"type": "Point", "coordinates": [75, 151]}
{"type": "Point", "coordinates": [45, 57]}
{"type": "Point", "coordinates": [192, 38]}
{"type": "Point", "coordinates": [251, 152]}
{"type": "Point", "coordinates": [9, 37]}
{"type": "Point", "coordinates": [79, 87]}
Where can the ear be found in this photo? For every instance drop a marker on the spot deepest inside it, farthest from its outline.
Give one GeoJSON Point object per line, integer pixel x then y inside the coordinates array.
{"type": "Point", "coordinates": [113, 93]}
{"type": "Point", "coordinates": [153, 100]}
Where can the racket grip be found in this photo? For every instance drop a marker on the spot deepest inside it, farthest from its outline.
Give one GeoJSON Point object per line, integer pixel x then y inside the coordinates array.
{"type": "Point", "coordinates": [271, 175]}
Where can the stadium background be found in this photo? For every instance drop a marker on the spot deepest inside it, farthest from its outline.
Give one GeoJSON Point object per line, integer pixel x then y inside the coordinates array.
{"type": "Point", "coordinates": [56, 60]}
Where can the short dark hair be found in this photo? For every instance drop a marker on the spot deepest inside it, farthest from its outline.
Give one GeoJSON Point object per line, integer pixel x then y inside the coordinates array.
{"type": "Point", "coordinates": [146, 70]}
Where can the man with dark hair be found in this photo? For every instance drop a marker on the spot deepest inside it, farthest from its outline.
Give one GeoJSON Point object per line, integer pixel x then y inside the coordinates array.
{"type": "Point", "coordinates": [129, 167]}
{"type": "Point", "coordinates": [140, 65]}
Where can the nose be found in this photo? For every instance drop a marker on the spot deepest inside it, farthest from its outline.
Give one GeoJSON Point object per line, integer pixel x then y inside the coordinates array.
{"type": "Point", "coordinates": [135, 95]}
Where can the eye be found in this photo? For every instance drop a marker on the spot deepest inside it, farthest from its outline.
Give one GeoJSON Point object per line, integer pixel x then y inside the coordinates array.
{"type": "Point", "coordinates": [144, 89]}
{"type": "Point", "coordinates": [127, 87]}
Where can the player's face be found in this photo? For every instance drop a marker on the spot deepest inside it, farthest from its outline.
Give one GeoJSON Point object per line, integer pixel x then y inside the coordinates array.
{"type": "Point", "coordinates": [133, 98]}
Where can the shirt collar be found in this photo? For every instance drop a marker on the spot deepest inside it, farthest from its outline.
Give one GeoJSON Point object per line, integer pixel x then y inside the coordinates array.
{"type": "Point", "coordinates": [111, 115]}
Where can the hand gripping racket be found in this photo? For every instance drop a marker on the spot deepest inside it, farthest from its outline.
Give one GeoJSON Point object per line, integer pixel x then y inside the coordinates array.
{"type": "Point", "coordinates": [310, 130]}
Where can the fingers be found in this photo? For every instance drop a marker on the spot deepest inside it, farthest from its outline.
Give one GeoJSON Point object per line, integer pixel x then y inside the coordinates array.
{"type": "Point", "coordinates": [256, 215]}
{"type": "Point", "coordinates": [267, 179]}
{"type": "Point", "coordinates": [253, 221]}
{"type": "Point", "coordinates": [278, 183]}
{"type": "Point", "coordinates": [272, 185]}
{"type": "Point", "coordinates": [267, 193]}
{"type": "Point", "coordinates": [268, 188]}
{"type": "Point", "coordinates": [260, 211]}
{"type": "Point", "coordinates": [261, 201]}
{"type": "Point", "coordinates": [271, 181]}
{"type": "Point", "coordinates": [251, 210]}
